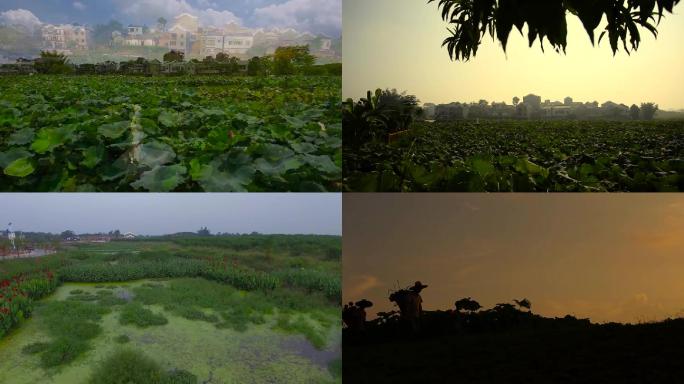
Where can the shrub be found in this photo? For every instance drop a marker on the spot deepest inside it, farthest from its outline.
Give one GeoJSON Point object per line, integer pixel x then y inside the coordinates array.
{"type": "Point", "coordinates": [314, 280]}
{"type": "Point", "coordinates": [62, 351]}
{"type": "Point", "coordinates": [180, 376]}
{"type": "Point", "coordinates": [128, 367]}
{"type": "Point", "coordinates": [122, 339]}
{"type": "Point", "coordinates": [134, 313]}
{"type": "Point", "coordinates": [102, 272]}
{"type": "Point", "coordinates": [196, 314]}
{"type": "Point", "coordinates": [243, 278]}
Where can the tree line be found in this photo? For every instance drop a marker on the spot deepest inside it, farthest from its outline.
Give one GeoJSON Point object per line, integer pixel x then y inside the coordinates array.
{"type": "Point", "coordinates": [290, 60]}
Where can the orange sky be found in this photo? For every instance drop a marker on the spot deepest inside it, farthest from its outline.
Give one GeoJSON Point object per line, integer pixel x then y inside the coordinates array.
{"type": "Point", "coordinates": [397, 44]}
{"type": "Point", "coordinates": [609, 257]}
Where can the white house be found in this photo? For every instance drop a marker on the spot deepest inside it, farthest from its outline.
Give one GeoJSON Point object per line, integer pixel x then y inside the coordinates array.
{"type": "Point", "coordinates": [129, 235]}
{"type": "Point", "coordinates": [179, 39]}
{"type": "Point", "coordinates": [211, 44]}
{"type": "Point", "coordinates": [135, 30]}
{"type": "Point", "coordinates": [188, 22]}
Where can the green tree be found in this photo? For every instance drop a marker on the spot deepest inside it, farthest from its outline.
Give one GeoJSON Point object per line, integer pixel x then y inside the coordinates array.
{"type": "Point", "coordinates": [634, 112]}
{"type": "Point", "coordinates": [204, 232]}
{"type": "Point", "coordinates": [254, 66]}
{"type": "Point", "coordinates": [174, 56]}
{"type": "Point", "coordinates": [648, 111]}
{"type": "Point", "coordinates": [68, 233]}
{"type": "Point", "coordinates": [52, 63]}
{"type": "Point", "coordinates": [291, 60]}
{"type": "Point", "coordinates": [473, 19]}
{"type": "Point", "coordinates": [378, 115]}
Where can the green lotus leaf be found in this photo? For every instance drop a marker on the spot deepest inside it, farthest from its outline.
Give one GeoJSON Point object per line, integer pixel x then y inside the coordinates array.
{"type": "Point", "coordinates": [171, 119]}
{"type": "Point", "coordinates": [92, 156]}
{"type": "Point", "coordinates": [22, 136]}
{"type": "Point", "coordinates": [323, 163]}
{"type": "Point", "coordinates": [51, 138]}
{"type": "Point", "coordinates": [20, 168]}
{"type": "Point", "coordinates": [154, 153]}
{"type": "Point", "coordinates": [13, 154]}
{"type": "Point", "coordinates": [161, 178]}
{"type": "Point", "coordinates": [114, 130]}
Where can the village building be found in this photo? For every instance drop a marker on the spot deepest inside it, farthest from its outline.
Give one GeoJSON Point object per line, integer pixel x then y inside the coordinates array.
{"type": "Point", "coordinates": [180, 39]}
{"type": "Point", "coordinates": [135, 30]}
{"type": "Point", "coordinates": [188, 22]}
{"type": "Point", "coordinates": [64, 38]}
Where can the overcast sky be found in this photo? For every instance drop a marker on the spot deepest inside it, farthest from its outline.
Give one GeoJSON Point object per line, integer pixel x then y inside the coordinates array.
{"type": "Point", "coordinates": [316, 16]}
{"type": "Point", "coordinates": [609, 257]}
{"type": "Point", "coordinates": [397, 44]}
{"type": "Point", "coordinates": [154, 214]}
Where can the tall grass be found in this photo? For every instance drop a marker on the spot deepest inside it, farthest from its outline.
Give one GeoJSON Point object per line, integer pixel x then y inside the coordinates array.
{"type": "Point", "coordinates": [313, 280]}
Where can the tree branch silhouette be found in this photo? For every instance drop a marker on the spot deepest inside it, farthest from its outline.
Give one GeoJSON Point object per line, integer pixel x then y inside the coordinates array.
{"type": "Point", "coordinates": [473, 19]}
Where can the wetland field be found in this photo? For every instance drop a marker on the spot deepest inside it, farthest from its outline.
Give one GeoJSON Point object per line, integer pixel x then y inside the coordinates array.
{"type": "Point", "coordinates": [175, 309]}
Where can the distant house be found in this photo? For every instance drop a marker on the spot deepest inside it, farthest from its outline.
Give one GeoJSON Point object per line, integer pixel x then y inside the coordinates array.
{"type": "Point", "coordinates": [532, 100]}
{"type": "Point", "coordinates": [177, 68]}
{"type": "Point", "coordinates": [64, 38]}
{"type": "Point", "coordinates": [129, 235]}
{"type": "Point", "coordinates": [135, 30]}
{"type": "Point", "coordinates": [188, 22]}
{"type": "Point", "coordinates": [179, 39]}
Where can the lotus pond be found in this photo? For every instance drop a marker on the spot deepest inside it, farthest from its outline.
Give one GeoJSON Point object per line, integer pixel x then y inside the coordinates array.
{"type": "Point", "coordinates": [205, 133]}
{"type": "Point", "coordinates": [255, 343]}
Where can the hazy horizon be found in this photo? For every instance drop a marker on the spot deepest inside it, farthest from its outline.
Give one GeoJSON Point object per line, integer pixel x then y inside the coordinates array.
{"type": "Point", "coordinates": [159, 213]}
{"type": "Point", "coordinates": [398, 45]}
{"type": "Point", "coordinates": [608, 257]}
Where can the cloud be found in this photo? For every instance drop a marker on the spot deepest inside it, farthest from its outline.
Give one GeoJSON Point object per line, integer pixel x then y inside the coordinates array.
{"type": "Point", "coordinates": [206, 4]}
{"type": "Point", "coordinates": [78, 5]}
{"type": "Point", "coordinates": [303, 15]}
{"type": "Point", "coordinates": [146, 10]}
{"type": "Point", "coordinates": [20, 17]}
{"type": "Point", "coordinates": [360, 285]}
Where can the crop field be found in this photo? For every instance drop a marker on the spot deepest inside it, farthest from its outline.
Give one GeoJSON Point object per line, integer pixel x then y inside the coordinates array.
{"type": "Point", "coordinates": [523, 156]}
{"type": "Point", "coordinates": [243, 309]}
{"type": "Point", "coordinates": [206, 133]}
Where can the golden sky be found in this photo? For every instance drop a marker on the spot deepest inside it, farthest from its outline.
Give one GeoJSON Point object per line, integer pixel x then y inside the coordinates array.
{"type": "Point", "coordinates": [397, 44]}
{"type": "Point", "coordinates": [608, 257]}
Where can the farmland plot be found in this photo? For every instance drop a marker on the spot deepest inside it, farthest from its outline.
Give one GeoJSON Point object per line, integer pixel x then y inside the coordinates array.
{"type": "Point", "coordinates": [114, 133]}
{"type": "Point", "coordinates": [523, 156]}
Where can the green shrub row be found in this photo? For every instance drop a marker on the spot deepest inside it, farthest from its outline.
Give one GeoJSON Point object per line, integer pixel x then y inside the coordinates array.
{"type": "Point", "coordinates": [313, 280]}
{"type": "Point", "coordinates": [104, 272]}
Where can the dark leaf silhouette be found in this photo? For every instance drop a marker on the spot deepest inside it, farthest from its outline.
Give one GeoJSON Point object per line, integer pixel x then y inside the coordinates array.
{"type": "Point", "coordinates": [471, 20]}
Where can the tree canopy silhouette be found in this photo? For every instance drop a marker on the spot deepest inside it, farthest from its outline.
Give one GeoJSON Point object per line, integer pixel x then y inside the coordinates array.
{"type": "Point", "coordinates": [473, 19]}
